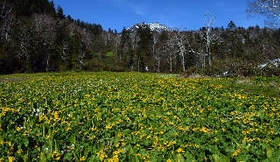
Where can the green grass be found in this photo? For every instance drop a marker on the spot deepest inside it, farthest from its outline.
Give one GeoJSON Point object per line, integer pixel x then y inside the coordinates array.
{"type": "Point", "coordinates": [267, 86]}
{"type": "Point", "coordinates": [109, 116]}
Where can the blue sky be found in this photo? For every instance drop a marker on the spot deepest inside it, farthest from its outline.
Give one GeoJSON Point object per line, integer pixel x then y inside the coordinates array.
{"type": "Point", "coordinates": [179, 14]}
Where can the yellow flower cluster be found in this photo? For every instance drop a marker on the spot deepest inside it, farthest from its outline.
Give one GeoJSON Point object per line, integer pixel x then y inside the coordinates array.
{"type": "Point", "coordinates": [236, 152]}
{"type": "Point", "coordinates": [4, 110]}
{"type": "Point", "coordinates": [56, 155]}
{"type": "Point", "coordinates": [102, 155]}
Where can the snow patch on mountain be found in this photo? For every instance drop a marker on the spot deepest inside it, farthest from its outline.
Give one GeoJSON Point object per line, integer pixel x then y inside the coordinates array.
{"type": "Point", "coordinates": [275, 62]}
{"type": "Point", "coordinates": [153, 26]}
{"type": "Point", "coordinates": [158, 27]}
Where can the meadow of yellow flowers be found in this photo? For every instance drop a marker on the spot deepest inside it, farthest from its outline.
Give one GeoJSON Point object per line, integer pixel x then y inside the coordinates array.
{"type": "Point", "coordinates": [135, 117]}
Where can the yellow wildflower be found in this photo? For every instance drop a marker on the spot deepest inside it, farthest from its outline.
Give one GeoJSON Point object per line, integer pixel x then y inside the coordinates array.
{"type": "Point", "coordinates": [118, 151]}
{"type": "Point", "coordinates": [272, 131]}
{"type": "Point", "coordinates": [171, 143]}
{"type": "Point", "coordinates": [93, 129]}
{"type": "Point", "coordinates": [102, 155]}
{"type": "Point", "coordinates": [57, 158]}
{"type": "Point", "coordinates": [2, 142]}
{"type": "Point", "coordinates": [216, 139]}
{"type": "Point", "coordinates": [236, 152]}
{"type": "Point", "coordinates": [117, 144]}
{"type": "Point", "coordinates": [56, 155]}
{"type": "Point", "coordinates": [18, 129]}
{"type": "Point", "coordinates": [109, 126]}
{"type": "Point", "coordinates": [6, 109]}
{"type": "Point", "coordinates": [82, 158]}
{"type": "Point", "coordinates": [92, 137]}
{"type": "Point", "coordinates": [114, 159]}
{"type": "Point", "coordinates": [180, 150]}
{"type": "Point", "coordinates": [205, 130]}
{"type": "Point", "coordinates": [56, 116]}
{"type": "Point", "coordinates": [9, 143]}
{"type": "Point", "coordinates": [119, 135]}
{"type": "Point", "coordinates": [168, 160]}
{"type": "Point", "coordinates": [11, 158]}
{"type": "Point", "coordinates": [19, 151]}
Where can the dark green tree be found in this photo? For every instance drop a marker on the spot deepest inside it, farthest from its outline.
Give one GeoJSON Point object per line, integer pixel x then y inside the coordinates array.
{"type": "Point", "coordinates": [124, 46]}
{"type": "Point", "coordinates": [60, 13]}
{"type": "Point", "coordinates": [144, 50]}
{"type": "Point", "coordinates": [231, 26]}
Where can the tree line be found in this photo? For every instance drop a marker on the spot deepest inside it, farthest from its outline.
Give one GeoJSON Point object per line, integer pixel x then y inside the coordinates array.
{"type": "Point", "coordinates": [37, 37]}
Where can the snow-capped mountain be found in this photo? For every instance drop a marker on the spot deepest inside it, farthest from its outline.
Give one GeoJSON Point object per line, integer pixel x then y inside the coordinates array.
{"type": "Point", "coordinates": [158, 27]}
{"type": "Point", "coordinates": [153, 26]}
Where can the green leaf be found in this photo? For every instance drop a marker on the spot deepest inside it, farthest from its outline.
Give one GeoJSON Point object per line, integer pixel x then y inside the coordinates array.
{"type": "Point", "coordinates": [269, 152]}
{"type": "Point", "coordinates": [189, 156]}
{"type": "Point", "coordinates": [43, 157]}
{"type": "Point", "coordinates": [73, 138]}
{"type": "Point", "coordinates": [26, 157]}
{"type": "Point", "coordinates": [219, 158]}
{"type": "Point", "coordinates": [277, 141]}
{"type": "Point", "coordinates": [179, 158]}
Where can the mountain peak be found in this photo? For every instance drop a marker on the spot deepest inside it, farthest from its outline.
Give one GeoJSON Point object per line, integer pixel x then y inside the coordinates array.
{"type": "Point", "coordinates": [153, 26]}
{"type": "Point", "coordinates": [158, 27]}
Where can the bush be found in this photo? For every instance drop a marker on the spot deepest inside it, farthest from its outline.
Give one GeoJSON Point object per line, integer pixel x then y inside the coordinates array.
{"type": "Point", "coordinates": [226, 68]}
{"type": "Point", "coordinates": [270, 70]}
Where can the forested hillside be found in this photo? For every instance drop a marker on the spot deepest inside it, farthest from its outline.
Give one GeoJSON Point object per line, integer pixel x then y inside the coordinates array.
{"type": "Point", "coordinates": [37, 37]}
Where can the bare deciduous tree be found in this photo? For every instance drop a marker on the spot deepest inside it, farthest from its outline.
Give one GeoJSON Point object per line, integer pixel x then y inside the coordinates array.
{"type": "Point", "coordinates": [181, 48]}
{"type": "Point", "coordinates": [268, 8]}
{"type": "Point", "coordinates": [5, 20]}
{"type": "Point", "coordinates": [209, 37]}
{"type": "Point", "coordinates": [44, 28]}
{"type": "Point", "coordinates": [171, 54]}
{"type": "Point", "coordinates": [156, 50]}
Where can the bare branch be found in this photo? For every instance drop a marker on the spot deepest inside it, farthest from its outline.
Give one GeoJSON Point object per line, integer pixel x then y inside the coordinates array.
{"type": "Point", "coordinates": [265, 7]}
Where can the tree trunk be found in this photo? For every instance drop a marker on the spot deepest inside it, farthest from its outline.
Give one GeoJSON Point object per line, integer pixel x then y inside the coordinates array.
{"type": "Point", "coordinates": [138, 64]}
{"type": "Point", "coordinates": [47, 63]}
{"type": "Point", "coordinates": [183, 62]}
{"type": "Point", "coordinates": [170, 64]}
{"type": "Point", "coordinates": [158, 65]}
